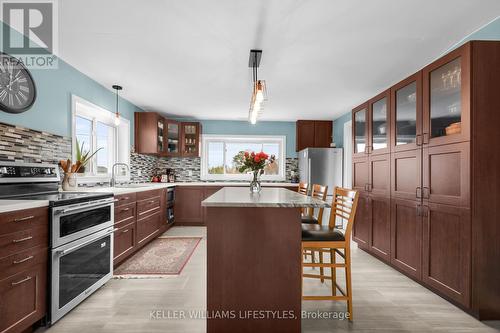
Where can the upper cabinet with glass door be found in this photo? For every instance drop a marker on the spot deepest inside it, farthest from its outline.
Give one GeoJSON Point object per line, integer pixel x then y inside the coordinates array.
{"type": "Point", "coordinates": [190, 136]}
{"type": "Point", "coordinates": [379, 124]}
{"type": "Point", "coordinates": [360, 130]}
{"type": "Point", "coordinates": [172, 138]}
{"type": "Point", "coordinates": [446, 93]}
{"type": "Point", "coordinates": [406, 114]}
{"type": "Point", "coordinates": [160, 135]}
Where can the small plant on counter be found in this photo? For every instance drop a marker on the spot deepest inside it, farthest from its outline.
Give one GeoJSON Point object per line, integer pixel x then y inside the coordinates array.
{"type": "Point", "coordinates": [83, 156]}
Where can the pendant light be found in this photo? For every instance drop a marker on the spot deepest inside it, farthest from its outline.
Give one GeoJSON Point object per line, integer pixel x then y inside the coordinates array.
{"type": "Point", "coordinates": [259, 90]}
{"type": "Point", "coordinates": [117, 88]}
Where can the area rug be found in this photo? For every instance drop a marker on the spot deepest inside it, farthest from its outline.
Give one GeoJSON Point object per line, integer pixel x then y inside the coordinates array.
{"type": "Point", "coordinates": [163, 257]}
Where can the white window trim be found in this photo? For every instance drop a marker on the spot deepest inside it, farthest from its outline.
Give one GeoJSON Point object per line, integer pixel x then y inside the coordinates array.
{"type": "Point", "coordinates": [206, 138]}
{"type": "Point", "coordinates": [122, 132]}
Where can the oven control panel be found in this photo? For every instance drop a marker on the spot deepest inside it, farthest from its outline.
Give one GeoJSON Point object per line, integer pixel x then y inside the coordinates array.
{"type": "Point", "coordinates": [28, 171]}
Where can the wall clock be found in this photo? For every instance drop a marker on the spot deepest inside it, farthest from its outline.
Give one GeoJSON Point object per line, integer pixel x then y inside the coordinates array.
{"type": "Point", "coordinates": [17, 88]}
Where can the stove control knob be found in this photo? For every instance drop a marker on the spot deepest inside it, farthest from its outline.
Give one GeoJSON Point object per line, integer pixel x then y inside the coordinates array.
{"type": "Point", "coordinates": [3, 171]}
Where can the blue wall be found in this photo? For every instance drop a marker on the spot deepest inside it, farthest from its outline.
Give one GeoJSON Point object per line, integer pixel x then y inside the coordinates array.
{"type": "Point", "coordinates": [229, 127]}
{"type": "Point", "coordinates": [338, 129]}
{"type": "Point", "coordinates": [52, 109]}
{"type": "Point", "coordinates": [490, 31]}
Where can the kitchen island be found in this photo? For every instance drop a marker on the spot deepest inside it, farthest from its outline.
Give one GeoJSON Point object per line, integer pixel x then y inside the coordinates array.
{"type": "Point", "coordinates": [254, 259]}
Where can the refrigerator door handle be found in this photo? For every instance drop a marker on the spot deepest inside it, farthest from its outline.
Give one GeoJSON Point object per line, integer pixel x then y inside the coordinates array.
{"type": "Point", "coordinates": [309, 172]}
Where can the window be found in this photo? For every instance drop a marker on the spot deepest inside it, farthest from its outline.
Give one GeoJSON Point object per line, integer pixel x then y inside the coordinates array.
{"type": "Point", "coordinates": [219, 151]}
{"type": "Point", "coordinates": [93, 129]}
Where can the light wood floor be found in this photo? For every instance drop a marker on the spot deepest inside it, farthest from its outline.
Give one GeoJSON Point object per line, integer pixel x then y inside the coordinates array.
{"type": "Point", "coordinates": [384, 301]}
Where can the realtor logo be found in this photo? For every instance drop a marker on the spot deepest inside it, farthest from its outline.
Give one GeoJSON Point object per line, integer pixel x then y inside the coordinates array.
{"type": "Point", "coordinates": [32, 36]}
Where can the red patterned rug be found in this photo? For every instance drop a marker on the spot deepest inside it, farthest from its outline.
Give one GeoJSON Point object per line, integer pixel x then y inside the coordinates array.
{"type": "Point", "coordinates": [162, 257]}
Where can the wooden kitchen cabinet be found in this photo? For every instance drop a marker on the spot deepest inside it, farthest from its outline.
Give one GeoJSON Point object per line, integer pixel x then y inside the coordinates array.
{"type": "Point", "coordinates": [447, 251]}
{"type": "Point", "coordinates": [149, 133]}
{"type": "Point", "coordinates": [406, 236]}
{"type": "Point", "coordinates": [447, 97]}
{"type": "Point", "coordinates": [313, 134]}
{"type": "Point", "coordinates": [208, 191]}
{"type": "Point", "coordinates": [188, 210]}
{"type": "Point", "coordinates": [362, 222]}
{"type": "Point", "coordinates": [156, 135]}
{"type": "Point", "coordinates": [380, 226]}
{"type": "Point", "coordinates": [190, 139]}
{"type": "Point", "coordinates": [360, 131]}
{"type": "Point", "coordinates": [124, 242]}
{"type": "Point", "coordinates": [23, 299]}
{"type": "Point", "coordinates": [24, 245]}
{"type": "Point", "coordinates": [444, 177]}
{"type": "Point", "coordinates": [378, 124]}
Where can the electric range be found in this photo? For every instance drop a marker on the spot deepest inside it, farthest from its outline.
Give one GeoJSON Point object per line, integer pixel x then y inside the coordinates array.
{"type": "Point", "coordinates": [81, 229]}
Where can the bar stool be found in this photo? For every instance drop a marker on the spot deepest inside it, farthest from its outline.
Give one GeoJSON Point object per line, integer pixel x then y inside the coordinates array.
{"type": "Point", "coordinates": [318, 192]}
{"type": "Point", "coordinates": [329, 239]}
{"type": "Point", "coordinates": [303, 189]}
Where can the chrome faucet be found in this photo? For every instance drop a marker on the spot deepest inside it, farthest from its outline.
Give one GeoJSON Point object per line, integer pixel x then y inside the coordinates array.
{"type": "Point", "coordinates": [112, 182]}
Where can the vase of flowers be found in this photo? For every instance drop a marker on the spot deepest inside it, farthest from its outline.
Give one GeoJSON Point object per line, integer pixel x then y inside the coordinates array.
{"type": "Point", "coordinates": [253, 162]}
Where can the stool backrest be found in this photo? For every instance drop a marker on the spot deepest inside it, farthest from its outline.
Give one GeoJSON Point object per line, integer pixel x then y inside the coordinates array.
{"type": "Point", "coordinates": [318, 192]}
{"type": "Point", "coordinates": [344, 205]}
{"type": "Point", "coordinates": [303, 188]}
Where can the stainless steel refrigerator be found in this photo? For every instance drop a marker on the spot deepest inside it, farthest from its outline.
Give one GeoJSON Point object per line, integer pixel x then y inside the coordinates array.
{"type": "Point", "coordinates": [322, 166]}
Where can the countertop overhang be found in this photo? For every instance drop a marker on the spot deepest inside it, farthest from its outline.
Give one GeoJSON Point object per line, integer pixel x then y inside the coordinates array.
{"type": "Point", "coordinates": [268, 197]}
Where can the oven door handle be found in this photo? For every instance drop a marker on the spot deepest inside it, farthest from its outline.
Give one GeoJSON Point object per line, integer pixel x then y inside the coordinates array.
{"type": "Point", "coordinates": [76, 247]}
{"type": "Point", "coordinates": [85, 206]}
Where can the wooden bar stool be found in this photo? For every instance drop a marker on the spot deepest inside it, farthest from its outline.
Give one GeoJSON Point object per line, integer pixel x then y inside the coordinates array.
{"type": "Point", "coordinates": [318, 192]}
{"type": "Point", "coordinates": [303, 188]}
{"type": "Point", "coordinates": [335, 241]}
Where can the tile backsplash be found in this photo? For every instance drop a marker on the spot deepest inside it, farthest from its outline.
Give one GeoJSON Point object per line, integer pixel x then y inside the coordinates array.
{"type": "Point", "coordinates": [19, 144]}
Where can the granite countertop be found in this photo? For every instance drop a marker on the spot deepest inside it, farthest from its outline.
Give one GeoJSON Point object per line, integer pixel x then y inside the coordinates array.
{"type": "Point", "coordinates": [13, 205]}
{"type": "Point", "coordinates": [268, 197]}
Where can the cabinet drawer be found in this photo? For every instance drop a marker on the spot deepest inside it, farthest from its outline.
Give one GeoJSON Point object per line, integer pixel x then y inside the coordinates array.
{"type": "Point", "coordinates": [124, 242]}
{"type": "Point", "coordinates": [23, 299]}
{"type": "Point", "coordinates": [147, 227]}
{"type": "Point", "coordinates": [146, 207]}
{"type": "Point", "coordinates": [147, 194]}
{"type": "Point", "coordinates": [125, 214]}
{"type": "Point", "coordinates": [23, 219]}
{"type": "Point", "coordinates": [124, 199]}
{"type": "Point", "coordinates": [22, 240]}
{"type": "Point", "coordinates": [23, 260]}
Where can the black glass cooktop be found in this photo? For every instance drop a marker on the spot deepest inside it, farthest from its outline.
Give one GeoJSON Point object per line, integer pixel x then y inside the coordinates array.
{"type": "Point", "coordinates": [66, 198]}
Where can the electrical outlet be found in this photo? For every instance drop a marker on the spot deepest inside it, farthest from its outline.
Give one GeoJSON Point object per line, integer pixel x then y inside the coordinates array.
{"type": "Point", "coordinates": [139, 173]}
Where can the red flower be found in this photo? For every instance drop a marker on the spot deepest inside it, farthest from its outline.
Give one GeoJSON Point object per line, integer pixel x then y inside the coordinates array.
{"type": "Point", "coordinates": [257, 159]}
{"type": "Point", "coordinates": [246, 154]}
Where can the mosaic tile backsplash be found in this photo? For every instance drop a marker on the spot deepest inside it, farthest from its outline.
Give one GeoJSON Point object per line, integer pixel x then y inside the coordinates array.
{"type": "Point", "coordinates": [19, 144]}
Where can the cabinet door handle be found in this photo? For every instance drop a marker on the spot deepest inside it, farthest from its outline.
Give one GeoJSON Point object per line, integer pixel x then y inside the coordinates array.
{"type": "Point", "coordinates": [426, 138]}
{"type": "Point", "coordinates": [152, 201]}
{"type": "Point", "coordinates": [22, 239]}
{"type": "Point", "coordinates": [419, 140]}
{"type": "Point", "coordinates": [20, 219]}
{"type": "Point", "coordinates": [125, 209]}
{"type": "Point", "coordinates": [22, 281]}
{"type": "Point", "coordinates": [15, 262]}
{"type": "Point", "coordinates": [125, 231]}
{"type": "Point", "coordinates": [418, 192]}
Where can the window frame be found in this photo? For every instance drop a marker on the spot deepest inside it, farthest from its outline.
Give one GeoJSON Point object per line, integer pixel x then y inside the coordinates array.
{"type": "Point", "coordinates": [258, 139]}
{"type": "Point", "coordinates": [94, 113]}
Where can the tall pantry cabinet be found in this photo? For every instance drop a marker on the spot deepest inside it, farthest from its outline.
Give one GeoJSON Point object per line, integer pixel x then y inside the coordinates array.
{"type": "Point", "coordinates": [426, 161]}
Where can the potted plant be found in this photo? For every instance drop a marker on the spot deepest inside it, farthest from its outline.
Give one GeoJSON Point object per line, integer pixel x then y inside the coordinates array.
{"type": "Point", "coordinates": [83, 156]}
{"type": "Point", "coordinates": [255, 162]}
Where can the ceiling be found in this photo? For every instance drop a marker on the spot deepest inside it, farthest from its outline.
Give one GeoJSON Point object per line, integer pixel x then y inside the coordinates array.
{"type": "Point", "coordinates": [189, 58]}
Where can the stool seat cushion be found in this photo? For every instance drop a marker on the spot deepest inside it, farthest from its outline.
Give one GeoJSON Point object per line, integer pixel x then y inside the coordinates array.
{"type": "Point", "coordinates": [309, 219]}
{"type": "Point", "coordinates": [316, 232]}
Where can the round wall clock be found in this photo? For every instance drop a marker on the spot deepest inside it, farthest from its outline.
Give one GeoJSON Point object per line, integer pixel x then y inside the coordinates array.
{"type": "Point", "coordinates": [17, 88]}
